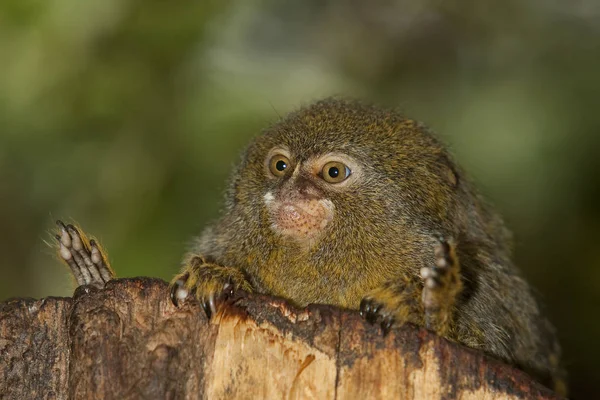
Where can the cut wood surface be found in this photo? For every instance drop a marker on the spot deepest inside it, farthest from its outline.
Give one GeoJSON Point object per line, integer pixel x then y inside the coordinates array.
{"type": "Point", "coordinates": [128, 341]}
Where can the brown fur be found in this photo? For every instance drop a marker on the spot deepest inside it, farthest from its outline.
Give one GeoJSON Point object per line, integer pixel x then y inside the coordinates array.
{"type": "Point", "coordinates": [384, 231]}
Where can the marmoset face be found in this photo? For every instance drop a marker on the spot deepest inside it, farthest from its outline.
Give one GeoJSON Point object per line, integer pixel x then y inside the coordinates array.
{"type": "Point", "coordinates": [337, 169]}
{"type": "Point", "coordinates": [299, 203]}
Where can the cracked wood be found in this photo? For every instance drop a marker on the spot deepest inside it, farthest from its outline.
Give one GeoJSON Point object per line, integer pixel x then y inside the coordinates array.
{"type": "Point", "coordinates": [128, 341]}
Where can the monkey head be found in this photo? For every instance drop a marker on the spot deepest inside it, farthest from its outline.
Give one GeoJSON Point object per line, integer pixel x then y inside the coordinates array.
{"type": "Point", "coordinates": [340, 169]}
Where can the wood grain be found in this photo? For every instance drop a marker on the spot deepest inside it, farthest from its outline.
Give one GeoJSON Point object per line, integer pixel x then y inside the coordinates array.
{"type": "Point", "coordinates": [128, 341]}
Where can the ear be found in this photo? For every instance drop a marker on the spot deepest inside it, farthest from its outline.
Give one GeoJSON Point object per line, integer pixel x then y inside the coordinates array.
{"type": "Point", "coordinates": [448, 171]}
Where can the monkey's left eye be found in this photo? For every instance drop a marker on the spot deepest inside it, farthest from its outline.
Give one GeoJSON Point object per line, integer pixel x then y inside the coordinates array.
{"type": "Point", "coordinates": [335, 172]}
{"type": "Point", "coordinates": [278, 165]}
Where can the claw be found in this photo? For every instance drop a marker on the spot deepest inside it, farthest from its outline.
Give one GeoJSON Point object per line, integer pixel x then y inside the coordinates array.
{"type": "Point", "coordinates": [64, 237]}
{"type": "Point", "coordinates": [386, 325]}
{"type": "Point", "coordinates": [207, 309]}
{"type": "Point", "coordinates": [61, 225]}
{"type": "Point", "coordinates": [210, 303]}
{"type": "Point", "coordinates": [77, 244]}
{"type": "Point", "coordinates": [173, 296]}
{"type": "Point", "coordinates": [178, 292]}
{"type": "Point", "coordinates": [369, 310]}
{"type": "Point", "coordinates": [374, 313]}
{"type": "Point", "coordinates": [364, 308]}
{"type": "Point", "coordinates": [228, 289]}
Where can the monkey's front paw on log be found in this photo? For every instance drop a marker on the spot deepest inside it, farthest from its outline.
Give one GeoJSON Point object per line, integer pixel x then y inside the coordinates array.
{"type": "Point", "coordinates": [209, 283]}
{"type": "Point", "coordinates": [85, 257]}
{"type": "Point", "coordinates": [392, 304]}
{"type": "Point", "coordinates": [441, 286]}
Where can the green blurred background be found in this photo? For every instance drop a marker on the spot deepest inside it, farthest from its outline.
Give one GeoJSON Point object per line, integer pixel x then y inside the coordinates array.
{"type": "Point", "coordinates": [126, 116]}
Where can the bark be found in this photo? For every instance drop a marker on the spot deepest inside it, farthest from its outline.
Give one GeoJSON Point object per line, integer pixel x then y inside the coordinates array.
{"type": "Point", "coordinates": [128, 341]}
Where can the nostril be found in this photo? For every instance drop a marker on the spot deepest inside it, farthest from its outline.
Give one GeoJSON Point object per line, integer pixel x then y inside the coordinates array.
{"type": "Point", "coordinates": [303, 189]}
{"type": "Point", "coordinates": [306, 188]}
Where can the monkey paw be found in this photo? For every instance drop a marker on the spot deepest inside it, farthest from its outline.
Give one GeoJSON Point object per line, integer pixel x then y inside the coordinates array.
{"type": "Point", "coordinates": [85, 257]}
{"type": "Point", "coordinates": [392, 304]}
{"type": "Point", "coordinates": [211, 284]}
{"type": "Point", "coordinates": [441, 286]}
{"type": "Point", "coordinates": [372, 311]}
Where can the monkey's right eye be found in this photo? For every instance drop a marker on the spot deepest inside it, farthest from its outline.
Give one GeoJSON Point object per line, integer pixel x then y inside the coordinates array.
{"type": "Point", "coordinates": [278, 164]}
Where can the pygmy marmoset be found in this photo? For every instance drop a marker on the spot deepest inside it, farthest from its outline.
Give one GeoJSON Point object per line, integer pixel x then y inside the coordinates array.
{"type": "Point", "coordinates": [359, 207]}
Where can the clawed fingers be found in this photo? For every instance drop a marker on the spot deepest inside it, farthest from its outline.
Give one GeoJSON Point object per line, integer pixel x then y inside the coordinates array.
{"type": "Point", "coordinates": [86, 260]}
{"type": "Point", "coordinates": [371, 311]}
{"type": "Point", "coordinates": [209, 301]}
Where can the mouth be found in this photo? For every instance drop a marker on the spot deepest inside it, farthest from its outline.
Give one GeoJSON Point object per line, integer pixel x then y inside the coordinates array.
{"type": "Point", "coordinates": [301, 219]}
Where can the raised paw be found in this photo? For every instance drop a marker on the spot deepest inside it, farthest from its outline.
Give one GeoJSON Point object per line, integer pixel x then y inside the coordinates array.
{"type": "Point", "coordinates": [441, 286]}
{"type": "Point", "coordinates": [85, 257]}
{"type": "Point", "coordinates": [211, 284]}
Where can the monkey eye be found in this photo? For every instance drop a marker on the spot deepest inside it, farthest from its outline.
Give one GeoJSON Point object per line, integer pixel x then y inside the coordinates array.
{"type": "Point", "coordinates": [278, 165]}
{"type": "Point", "coordinates": [335, 172]}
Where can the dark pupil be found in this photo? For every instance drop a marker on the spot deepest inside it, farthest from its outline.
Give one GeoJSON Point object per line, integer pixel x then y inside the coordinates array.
{"type": "Point", "coordinates": [334, 172]}
{"type": "Point", "coordinates": [280, 165]}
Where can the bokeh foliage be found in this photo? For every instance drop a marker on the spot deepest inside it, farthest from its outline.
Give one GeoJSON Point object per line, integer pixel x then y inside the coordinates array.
{"type": "Point", "coordinates": [126, 115]}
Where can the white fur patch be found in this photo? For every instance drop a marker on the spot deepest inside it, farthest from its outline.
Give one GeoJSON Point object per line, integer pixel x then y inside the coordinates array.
{"type": "Point", "coordinates": [268, 197]}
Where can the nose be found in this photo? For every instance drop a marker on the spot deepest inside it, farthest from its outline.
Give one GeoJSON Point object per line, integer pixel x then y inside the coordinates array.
{"type": "Point", "coordinates": [306, 188]}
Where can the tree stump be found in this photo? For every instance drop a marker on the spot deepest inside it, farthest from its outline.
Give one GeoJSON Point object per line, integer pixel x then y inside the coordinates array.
{"type": "Point", "coordinates": [128, 341]}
